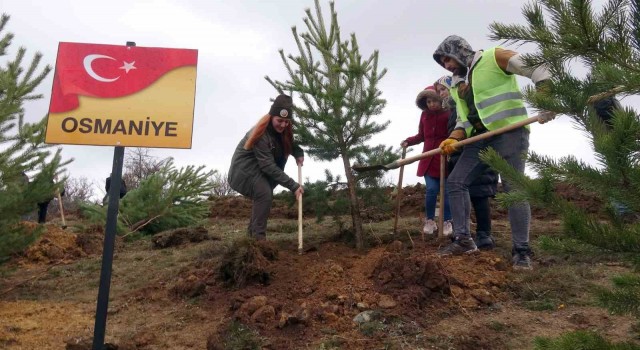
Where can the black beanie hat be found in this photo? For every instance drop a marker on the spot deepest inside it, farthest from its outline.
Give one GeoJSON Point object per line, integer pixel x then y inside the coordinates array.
{"type": "Point", "coordinates": [282, 107]}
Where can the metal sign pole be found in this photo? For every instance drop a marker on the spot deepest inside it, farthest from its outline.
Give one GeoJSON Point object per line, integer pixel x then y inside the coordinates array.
{"type": "Point", "coordinates": [107, 252]}
{"type": "Point", "coordinates": [102, 305]}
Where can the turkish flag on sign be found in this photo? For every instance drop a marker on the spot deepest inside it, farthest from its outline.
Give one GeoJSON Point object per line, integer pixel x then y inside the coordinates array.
{"type": "Point", "coordinates": [110, 71]}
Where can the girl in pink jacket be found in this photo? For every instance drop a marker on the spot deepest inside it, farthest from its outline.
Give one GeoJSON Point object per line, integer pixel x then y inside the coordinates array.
{"type": "Point", "coordinates": [432, 130]}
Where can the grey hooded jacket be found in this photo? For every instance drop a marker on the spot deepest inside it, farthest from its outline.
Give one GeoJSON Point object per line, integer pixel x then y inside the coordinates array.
{"type": "Point", "coordinates": [248, 165]}
{"type": "Point", "coordinates": [457, 48]}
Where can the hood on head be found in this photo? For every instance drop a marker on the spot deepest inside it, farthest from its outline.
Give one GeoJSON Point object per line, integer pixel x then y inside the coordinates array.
{"type": "Point", "coordinates": [457, 48]}
{"type": "Point", "coordinates": [445, 81]}
{"type": "Point", "coordinates": [428, 92]}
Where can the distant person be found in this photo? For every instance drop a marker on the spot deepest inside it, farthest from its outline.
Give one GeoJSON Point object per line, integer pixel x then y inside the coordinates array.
{"type": "Point", "coordinates": [432, 130]}
{"type": "Point", "coordinates": [482, 188]}
{"type": "Point", "coordinates": [258, 162]}
{"type": "Point", "coordinates": [605, 109]}
{"type": "Point", "coordinates": [24, 182]}
{"type": "Point", "coordinates": [43, 206]}
{"type": "Point", "coordinates": [107, 187]}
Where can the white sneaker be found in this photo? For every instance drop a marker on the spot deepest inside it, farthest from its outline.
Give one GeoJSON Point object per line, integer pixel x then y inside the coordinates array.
{"type": "Point", "coordinates": [429, 227]}
{"type": "Point", "coordinates": [447, 230]}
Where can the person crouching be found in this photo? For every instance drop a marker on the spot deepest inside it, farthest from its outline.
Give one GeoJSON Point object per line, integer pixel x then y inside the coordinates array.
{"type": "Point", "coordinates": [258, 162]}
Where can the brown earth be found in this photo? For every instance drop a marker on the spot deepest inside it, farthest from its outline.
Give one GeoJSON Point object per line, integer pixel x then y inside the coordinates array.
{"type": "Point", "coordinates": [59, 246]}
{"type": "Point", "coordinates": [175, 298]}
{"type": "Point", "coordinates": [328, 288]}
{"type": "Point", "coordinates": [309, 300]}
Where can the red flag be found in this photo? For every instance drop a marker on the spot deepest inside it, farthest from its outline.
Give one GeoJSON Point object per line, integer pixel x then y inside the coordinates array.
{"type": "Point", "coordinates": [110, 71]}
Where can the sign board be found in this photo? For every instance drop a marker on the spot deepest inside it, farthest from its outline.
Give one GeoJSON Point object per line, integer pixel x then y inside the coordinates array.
{"type": "Point", "coordinates": [110, 95]}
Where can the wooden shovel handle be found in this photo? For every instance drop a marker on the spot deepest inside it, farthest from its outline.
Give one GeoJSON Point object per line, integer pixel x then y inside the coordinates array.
{"type": "Point", "coordinates": [64, 223]}
{"type": "Point", "coordinates": [399, 193]}
{"type": "Point", "coordinates": [300, 248]}
{"type": "Point", "coordinates": [466, 141]}
{"type": "Point", "coordinates": [443, 173]}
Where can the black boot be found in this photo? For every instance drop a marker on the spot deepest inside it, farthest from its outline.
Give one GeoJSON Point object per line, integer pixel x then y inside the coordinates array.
{"type": "Point", "coordinates": [485, 241]}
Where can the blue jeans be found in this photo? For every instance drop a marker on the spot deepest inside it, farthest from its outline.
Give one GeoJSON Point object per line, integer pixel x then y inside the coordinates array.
{"type": "Point", "coordinates": [433, 188]}
{"type": "Point", "coordinates": [511, 146]}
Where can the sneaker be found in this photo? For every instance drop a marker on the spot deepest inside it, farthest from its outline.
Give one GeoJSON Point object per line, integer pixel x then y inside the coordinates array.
{"type": "Point", "coordinates": [429, 227]}
{"type": "Point", "coordinates": [521, 258]}
{"type": "Point", "coordinates": [447, 229]}
{"type": "Point", "coordinates": [461, 245]}
{"type": "Point", "coordinates": [485, 241]}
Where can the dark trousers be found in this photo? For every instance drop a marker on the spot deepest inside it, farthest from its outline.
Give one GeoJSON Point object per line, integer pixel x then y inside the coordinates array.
{"type": "Point", "coordinates": [482, 208]}
{"type": "Point", "coordinates": [510, 146]}
{"type": "Point", "coordinates": [42, 212]}
{"type": "Point", "coordinates": [262, 196]}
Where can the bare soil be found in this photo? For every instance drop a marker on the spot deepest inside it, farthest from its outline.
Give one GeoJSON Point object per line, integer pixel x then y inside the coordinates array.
{"type": "Point", "coordinates": [176, 297]}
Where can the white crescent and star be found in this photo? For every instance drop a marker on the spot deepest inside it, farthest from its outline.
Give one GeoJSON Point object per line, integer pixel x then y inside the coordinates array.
{"type": "Point", "coordinates": [127, 66]}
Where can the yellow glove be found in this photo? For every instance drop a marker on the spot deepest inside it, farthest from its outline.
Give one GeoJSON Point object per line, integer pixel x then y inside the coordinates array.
{"type": "Point", "coordinates": [449, 146]}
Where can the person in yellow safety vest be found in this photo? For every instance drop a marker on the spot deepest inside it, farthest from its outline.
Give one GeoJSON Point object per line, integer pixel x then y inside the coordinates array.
{"type": "Point", "coordinates": [487, 97]}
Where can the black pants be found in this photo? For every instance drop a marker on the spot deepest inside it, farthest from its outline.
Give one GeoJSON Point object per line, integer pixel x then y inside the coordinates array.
{"type": "Point", "coordinates": [42, 212]}
{"type": "Point", "coordinates": [482, 208]}
{"type": "Point", "coordinates": [262, 196]}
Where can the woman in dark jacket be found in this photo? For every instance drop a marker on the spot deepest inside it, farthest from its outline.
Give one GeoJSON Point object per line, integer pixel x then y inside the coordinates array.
{"type": "Point", "coordinates": [257, 166]}
{"type": "Point", "coordinates": [484, 187]}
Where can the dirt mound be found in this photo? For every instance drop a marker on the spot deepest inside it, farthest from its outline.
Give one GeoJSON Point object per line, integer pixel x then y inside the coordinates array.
{"type": "Point", "coordinates": [336, 288]}
{"type": "Point", "coordinates": [412, 200]}
{"type": "Point", "coordinates": [189, 287]}
{"type": "Point", "coordinates": [476, 280]}
{"type": "Point", "coordinates": [231, 207]}
{"type": "Point", "coordinates": [59, 246]}
{"type": "Point", "coordinates": [91, 241]}
{"type": "Point", "coordinates": [584, 200]}
{"type": "Point", "coordinates": [412, 280]}
{"type": "Point", "coordinates": [179, 236]}
{"type": "Point", "coordinates": [418, 281]}
{"type": "Point", "coordinates": [55, 245]}
{"type": "Point", "coordinates": [247, 261]}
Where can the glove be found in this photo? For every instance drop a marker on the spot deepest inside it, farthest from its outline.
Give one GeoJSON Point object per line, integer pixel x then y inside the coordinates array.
{"type": "Point", "coordinates": [449, 146]}
{"type": "Point", "coordinates": [545, 116]}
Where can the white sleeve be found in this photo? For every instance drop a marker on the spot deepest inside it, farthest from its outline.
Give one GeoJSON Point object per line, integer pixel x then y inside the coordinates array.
{"type": "Point", "coordinates": [537, 74]}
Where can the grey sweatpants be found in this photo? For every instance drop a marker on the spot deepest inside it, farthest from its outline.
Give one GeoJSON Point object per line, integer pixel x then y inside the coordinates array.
{"type": "Point", "coordinates": [262, 196]}
{"type": "Point", "coordinates": [511, 146]}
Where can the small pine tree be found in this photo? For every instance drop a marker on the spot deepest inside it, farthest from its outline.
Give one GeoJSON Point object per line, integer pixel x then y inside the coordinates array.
{"type": "Point", "coordinates": [170, 198]}
{"type": "Point", "coordinates": [339, 96]}
{"type": "Point", "coordinates": [23, 148]}
{"type": "Point", "coordinates": [608, 44]}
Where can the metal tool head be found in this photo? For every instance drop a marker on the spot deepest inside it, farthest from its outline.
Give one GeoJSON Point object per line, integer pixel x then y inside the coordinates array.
{"type": "Point", "coordinates": [363, 168]}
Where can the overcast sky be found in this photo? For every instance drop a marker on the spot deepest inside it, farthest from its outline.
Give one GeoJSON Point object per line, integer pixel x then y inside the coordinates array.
{"type": "Point", "coordinates": [238, 43]}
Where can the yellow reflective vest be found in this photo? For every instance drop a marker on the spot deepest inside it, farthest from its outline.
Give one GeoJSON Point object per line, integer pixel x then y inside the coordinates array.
{"type": "Point", "coordinates": [496, 95]}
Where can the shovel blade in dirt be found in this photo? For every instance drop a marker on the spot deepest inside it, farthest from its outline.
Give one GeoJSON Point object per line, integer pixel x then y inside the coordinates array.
{"type": "Point", "coordinates": [400, 162]}
{"type": "Point", "coordinates": [363, 168]}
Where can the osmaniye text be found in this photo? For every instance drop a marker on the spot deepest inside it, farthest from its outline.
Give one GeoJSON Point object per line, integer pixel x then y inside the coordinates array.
{"type": "Point", "coordinates": [146, 127]}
